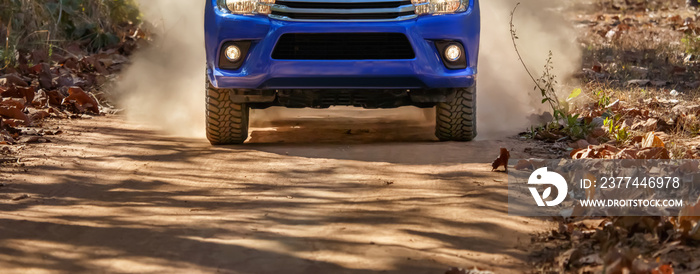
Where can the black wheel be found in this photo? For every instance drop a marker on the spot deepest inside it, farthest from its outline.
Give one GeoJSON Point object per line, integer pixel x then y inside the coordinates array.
{"type": "Point", "coordinates": [227, 122]}
{"type": "Point", "coordinates": [456, 120]}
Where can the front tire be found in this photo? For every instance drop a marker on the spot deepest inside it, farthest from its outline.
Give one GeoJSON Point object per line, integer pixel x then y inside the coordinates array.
{"type": "Point", "coordinates": [456, 119]}
{"type": "Point", "coordinates": [227, 122]}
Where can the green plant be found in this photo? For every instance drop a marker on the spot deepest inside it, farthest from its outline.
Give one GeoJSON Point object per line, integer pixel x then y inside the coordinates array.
{"type": "Point", "coordinates": [576, 128]}
{"type": "Point", "coordinates": [603, 98]}
{"type": "Point", "coordinates": [615, 129]}
{"type": "Point", "coordinates": [530, 134]}
{"type": "Point", "coordinates": [7, 54]}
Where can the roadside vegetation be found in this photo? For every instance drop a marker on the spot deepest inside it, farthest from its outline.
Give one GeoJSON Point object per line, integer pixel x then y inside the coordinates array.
{"type": "Point", "coordinates": [56, 59]}
{"type": "Point", "coordinates": [637, 97]}
{"type": "Point", "coordinates": [29, 25]}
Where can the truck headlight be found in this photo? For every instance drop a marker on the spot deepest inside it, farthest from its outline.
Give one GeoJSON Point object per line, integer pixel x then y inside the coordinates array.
{"type": "Point", "coordinates": [233, 53]}
{"type": "Point", "coordinates": [439, 6]}
{"type": "Point", "coordinates": [247, 6]}
{"type": "Point", "coordinates": [453, 53]}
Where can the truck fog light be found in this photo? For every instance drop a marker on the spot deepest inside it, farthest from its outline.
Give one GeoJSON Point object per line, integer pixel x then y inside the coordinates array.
{"type": "Point", "coordinates": [233, 53]}
{"type": "Point", "coordinates": [453, 53]}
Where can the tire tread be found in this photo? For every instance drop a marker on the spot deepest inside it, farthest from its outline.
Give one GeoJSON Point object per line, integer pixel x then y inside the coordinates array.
{"type": "Point", "coordinates": [227, 122]}
{"type": "Point", "coordinates": [456, 120]}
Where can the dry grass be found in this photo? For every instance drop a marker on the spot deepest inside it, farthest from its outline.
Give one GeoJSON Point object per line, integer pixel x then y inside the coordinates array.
{"type": "Point", "coordinates": [638, 53]}
{"type": "Point", "coordinates": [641, 45]}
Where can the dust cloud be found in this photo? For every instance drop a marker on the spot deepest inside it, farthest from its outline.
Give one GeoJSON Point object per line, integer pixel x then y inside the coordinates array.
{"type": "Point", "coordinates": [165, 84]}
{"type": "Point", "coordinates": [505, 92]}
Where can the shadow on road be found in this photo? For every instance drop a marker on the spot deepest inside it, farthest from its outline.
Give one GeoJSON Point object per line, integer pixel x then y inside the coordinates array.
{"type": "Point", "coordinates": [122, 199]}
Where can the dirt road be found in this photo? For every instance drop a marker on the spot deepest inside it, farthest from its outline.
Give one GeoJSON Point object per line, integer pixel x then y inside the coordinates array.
{"type": "Point", "coordinates": [325, 194]}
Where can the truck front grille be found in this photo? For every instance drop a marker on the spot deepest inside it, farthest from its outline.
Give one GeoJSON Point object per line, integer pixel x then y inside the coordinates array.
{"type": "Point", "coordinates": [341, 10]}
{"type": "Point", "coordinates": [343, 46]}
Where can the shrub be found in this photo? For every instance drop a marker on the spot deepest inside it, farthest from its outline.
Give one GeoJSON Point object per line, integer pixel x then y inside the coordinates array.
{"type": "Point", "coordinates": [35, 24]}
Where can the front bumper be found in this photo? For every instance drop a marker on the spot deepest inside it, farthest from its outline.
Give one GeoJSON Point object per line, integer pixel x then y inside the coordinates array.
{"type": "Point", "coordinates": [261, 71]}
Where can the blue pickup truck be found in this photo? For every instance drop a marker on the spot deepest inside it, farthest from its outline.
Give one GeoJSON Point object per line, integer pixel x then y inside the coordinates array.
{"type": "Point", "coordinates": [322, 53]}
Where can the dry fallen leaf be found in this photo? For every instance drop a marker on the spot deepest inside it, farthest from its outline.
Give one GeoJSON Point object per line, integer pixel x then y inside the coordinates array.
{"type": "Point", "coordinates": [653, 153]}
{"type": "Point", "coordinates": [55, 98]}
{"type": "Point", "coordinates": [663, 269]}
{"type": "Point", "coordinates": [523, 164]}
{"type": "Point", "coordinates": [13, 79]}
{"type": "Point", "coordinates": [41, 100]}
{"type": "Point", "coordinates": [39, 115]}
{"type": "Point", "coordinates": [13, 109]}
{"type": "Point", "coordinates": [595, 152]}
{"type": "Point", "coordinates": [81, 100]}
{"type": "Point", "coordinates": [651, 140]}
{"type": "Point", "coordinates": [45, 76]}
{"type": "Point", "coordinates": [627, 153]}
{"type": "Point", "coordinates": [580, 144]}
{"type": "Point", "coordinates": [27, 93]}
{"type": "Point", "coordinates": [65, 80]}
{"type": "Point", "coordinates": [648, 125]}
{"type": "Point", "coordinates": [688, 222]}
{"type": "Point", "coordinates": [502, 160]}
{"type": "Point", "coordinates": [531, 164]}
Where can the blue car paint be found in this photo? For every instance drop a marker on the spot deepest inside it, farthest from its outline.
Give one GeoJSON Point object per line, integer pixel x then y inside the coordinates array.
{"type": "Point", "coordinates": [261, 71]}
